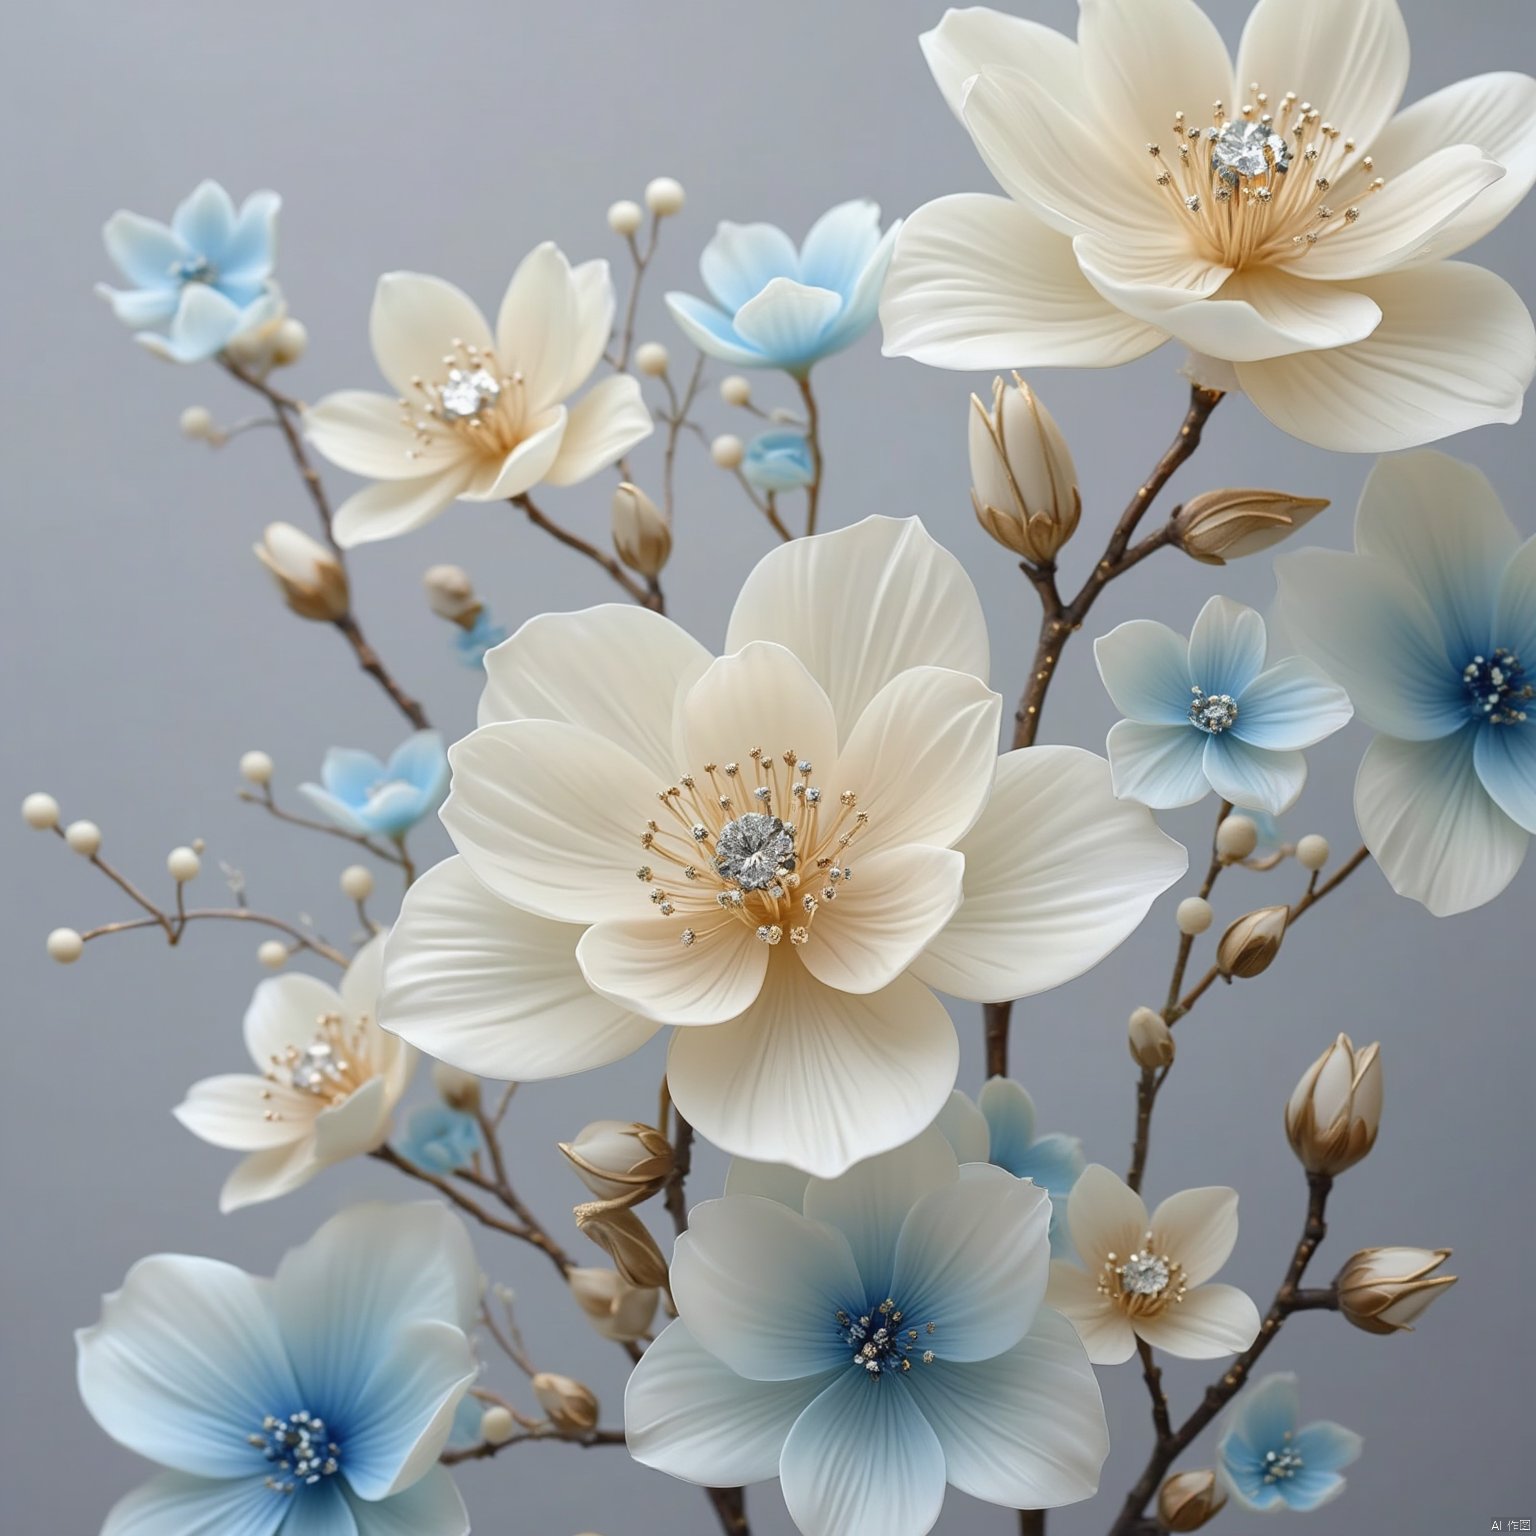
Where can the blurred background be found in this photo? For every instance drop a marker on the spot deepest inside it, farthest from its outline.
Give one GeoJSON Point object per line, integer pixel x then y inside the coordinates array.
{"type": "Point", "coordinates": [146, 650]}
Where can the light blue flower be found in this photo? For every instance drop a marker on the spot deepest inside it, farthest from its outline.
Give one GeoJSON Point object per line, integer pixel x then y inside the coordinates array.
{"type": "Point", "coordinates": [316, 1403]}
{"type": "Point", "coordinates": [203, 279]}
{"type": "Point", "coordinates": [867, 1339]}
{"type": "Point", "coordinates": [776, 307]}
{"type": "Point", "coordinates": [778, 461]}
{"type": "Point", "coordinates": [441, 1139]}
{"type": "Point", "coordinates": [1267, 1462]}
{"type": "Point", "coordinates": [1000, 1128]}
{"type": "Point", "coordinates": [484, 635]}
{"type": "Point", "coordinates": [1206, 714]}
{"type": "Point", "coordinates": [466, 1433]}
{"type": "Point", "coordinates": [370, 798]}
{"type": "Point", "coordinates": [1431, 625]}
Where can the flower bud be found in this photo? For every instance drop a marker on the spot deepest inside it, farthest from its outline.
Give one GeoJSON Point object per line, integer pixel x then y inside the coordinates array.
{"type": "Point", "coordinates": [1383, 1290]}
{"type": "Point", "coordinates": [617, 1309]}
{"type": "Point", "coordinates": [451, 594]}
{"type": "Point", "coordinates": [1188, 1499]}
{"type": "Point", "coordinates": [1249, 945]}
{"type": "Point", "coordinates": [1236, 837]}
{"type": "Point", "coordinates": [40, 812]}
{"type": "Point", "coordinates": [728, 450]}
{"type": "Point", "coordinates": [570, 1406]}
{"type": "Point", "coordinates": [196, 422]}
{"type": "Point", "coordinates": [625, 217]}
{"type": "Point", "coordinates": [497, 1425]}
{"type": "Point", "coordinates": [1335, 1111]}
{"type": "Point", "coordinates": [626, 1240]}
{"type": "Point", "coordinates": [273, 954]}
{"type": "Point", "coordinates": [65, 945]}
{"type": "Point", "coordinates": [736, 389]}
{"type": "Point", "coordinates": [640, 532]}
{"type": "Point", "coordinates": [621, 1159]}
{"type": "Point", "coordinates": [84, 837]}
{"type": "Point", "coordinates": [1151, 1039]}
{"type": "Point", "coordinates": [290, 342]}
{"type": "Point", "coordinates": [652, 359]}
{"type": "Point", "coordinates": [458, 1090]}
{"type": "Point", "coordinates": [310, 577]}
{"type": "Point", "coordinates": [1023, 481]}
{"type": "Point", "coordinates": [1194, 915]}
{"type": "Point", "coordinates": [357, 882]}
{"type": "Point", "coordinates": [1312, 851]}
{"type": "Point", "coordinates": [664, 196]}
{"type": "Point", "coordinates": [183, 865]}
{"type": "Point", "coordinates": [1226, 525]}
{"type": "Point", "coordinates": [257, 767]}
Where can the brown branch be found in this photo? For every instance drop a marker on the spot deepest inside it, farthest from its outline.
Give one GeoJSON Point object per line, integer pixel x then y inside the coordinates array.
{"type": "Point", "coordinates": [485, 1450]}
{"type": "Point", "coordinates": [641, 595]}
{"type": "Point", "coordinates": [1152, 1374]}
{"type": "Point", "coordinates": [233, 914]}
{"type": "Point", "coordinates": [369, 660]}
{"type": "Point", "coordinates": [268, 804]}
{"type": "Point", "coordinates": [676, 1196]}
{"type": "Point", "coordinates": [450, 1192]}
{"type": "Point", "coordinates": [641, 261]}
{"type": "Point", "coordinates": [813, 442]}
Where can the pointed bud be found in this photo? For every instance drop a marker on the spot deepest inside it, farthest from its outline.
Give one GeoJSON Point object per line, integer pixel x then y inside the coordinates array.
{"type": "Point", "coordinates": [627, 1241]}
{"type": "Point", "coordinates": [1188, 1499]}
{"type": "Point", "coordinates": [621, 1160]}
{"type": "Point", "coordinates": [617, 1309]}
{"type": "Point", "coordinates": [1151, 1039]}
{"type": "Point", "coordinates": [1335, 1111]}
{"type": "Point", "coordinates": [1023, 481]}
{"type": "Point", "coordinates": [309, 575]}
{"type": "Point", "coordinates": [1383, 1290]}
{"type": "Point", "coordinates": [569, 1406]}
{"type": "Point", "coordinates": [451, 595]}
{"type": "Point", "coordinates": [640, 532]}
{"type": "Point", "coordinates": [458, 1090]}
{"type": "Point", "coordinates": [1219, 526]}
{"type": "Point", "coordinates": [1250, 945]}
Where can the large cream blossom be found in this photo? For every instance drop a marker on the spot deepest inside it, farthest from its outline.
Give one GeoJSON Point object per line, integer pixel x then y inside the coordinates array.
{"type": "Point", "coordinates": [1279, 216]}
{"type": "Point", "coordinates": [780, 851]}
{"type": "Point", "coordinates": [477, 416]}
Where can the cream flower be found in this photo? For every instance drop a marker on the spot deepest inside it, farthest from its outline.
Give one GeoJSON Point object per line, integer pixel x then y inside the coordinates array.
{"type": "Point", "coordinates": [479, 417]}
{"type": "Point", "coordinates": [781, 851]}
{"type": "Point", "coordinates": [1274, 215]}
{"type": "Point", "coordinates": [1147, 1278]}
{"type": "Point", "coordinates": [330, 1080]}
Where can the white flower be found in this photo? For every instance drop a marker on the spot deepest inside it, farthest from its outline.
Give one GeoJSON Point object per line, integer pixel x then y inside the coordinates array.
{"type": "Point", "coordinates": [650, 836]}
{"type": "Point", "coordinates": [479, 417]}
{"type": "Point", "coordinates": [1273, 215]}
{"type": "Point", "coordinates": [330, 1080]}
{"type": "Point", "coordinates": [1147, 1278]}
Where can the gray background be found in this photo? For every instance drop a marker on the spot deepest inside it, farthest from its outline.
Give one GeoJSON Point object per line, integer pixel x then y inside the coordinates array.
{"type": "Point", "coordinates": [145, 651]}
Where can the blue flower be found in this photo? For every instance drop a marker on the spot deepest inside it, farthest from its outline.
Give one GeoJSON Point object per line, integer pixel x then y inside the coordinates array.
{"type": "Point", "coordinates": [371, 798]}
{"type": "Point", "coordinates": [316, 1403]}
{"type": "Point", "coordinates": [1431, 625]}
{"type": "Point", "coordinates": [203, 279]}
{"type": "Point", "coordinates": [778, 461]}
{"type": "Point", "coordinates": [868, 1339]}
{"type": "Point", "coordinates": [441, 1139]}
{"type": "Point", "coordinates": [1205, 714]}
{"type": "Point", "coordinates": [483, 635]}
{"type": "Point", "coordinates": [1000, 1128]}
{"type": "Point", "coordinates": [1266, 1462]}
{"type": "Point", "coordinates": [776, 307]}
{"type": "Point", "coordinates": [466, 1434]}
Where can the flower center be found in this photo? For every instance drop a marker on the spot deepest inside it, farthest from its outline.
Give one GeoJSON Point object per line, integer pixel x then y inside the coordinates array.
{"type": "Point", "coordinates": [1144, 1282]}
{"type": "Point", "coordinates": [1212, 713]}
{"type": "Point", "coordinates": [194, 269]}
{"type": "Point", "coordinates": [1497, 688]}
{"type": "Point", "coordinates": [473, 398]}
{"type": "Point", "coordinates": [300, 1448]}
{"type": "Point", "coordinates": [1282, 1464]}
{"type": "Point", "coordinates": [332, 1066]}
{"type": "Point", "coordinates": [882, 1343]}
{"type": "Point", "coordinates": [733, 856]}
{"type": "Point", "coordinates": [1258, 187]}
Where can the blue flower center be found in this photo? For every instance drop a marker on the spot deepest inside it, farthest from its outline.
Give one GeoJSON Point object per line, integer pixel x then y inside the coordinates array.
{"type": "Point", "coordinates": [301, 1448]}
{"type": "Point", "coordinates": [1497, 688]}
{"type": "Point", "coordinates": [195, 269]}
{"type": "Point", "coordinates": [882, 1342]}
{"type": "Point", "coordinates": [1281, 1465]}
{"type": "Point", "coordinates": [1212, 713]}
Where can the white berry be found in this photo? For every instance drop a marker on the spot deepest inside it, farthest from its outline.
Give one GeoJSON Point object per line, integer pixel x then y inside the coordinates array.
{"type": "Point", "coordinates": [727, 450]}
{"type": "Point", "coordinates": [184, 864]}
{"type": "Point", "coordinates": [65, 945]}
{"type": "Point", "coordinates": [357, 882]}
{"type": "Point", "coordinates": [664, 196]}
{"type": "Point", "coordinates": [1194, 915]}
{"type": "Point", "coordinates": [1237, 837]}
{"type": "Point", "coordinates": [651, 358]}
{"type": "Point", "coordinates": [83, 836]}
{"type": "Point", "coordinates": [257, 767]}
{"type": "Point", "coordinates": [1312, 851]}
{"type": "Point", "coordinates": [40, 811]}
{"type": "Point", "coordinates": [273, 954]}
{"type": "Point", "coordinates": [625, 217]}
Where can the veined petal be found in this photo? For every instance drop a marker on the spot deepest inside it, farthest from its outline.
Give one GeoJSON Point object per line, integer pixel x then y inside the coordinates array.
{"type": "Point", "coordinates": [968, 42]}
{"type": "Point", "coordinates": [415, 321]}
{"type": "Point", "coordinates": [535, 457]}
{"type": "Point", "coordinates": [1516, 620]}
{"type": "Point", "coordinates": [198, 1506]}
{"type": "Point", "coordinates": [269, 1175]}
{"type": "Point", "coordinates": [1010, 1116]}
{"type": "Point", "coordinates": [245, 1113]}
{"type": "Point", "coordinates": [252, 246]}
{"type": "Point", "coordinates": [787, 321]}
{"type": "Point", "coordinates": [711, 331]}
{"type": "Point", "coordinates": [536, 325]}
{"type": "Point", "coordinates": [1436, 832]}
{"type": "Point", "coordinates": [965, 1128]}
{"type": "Point", "coordinates": [642, 963]}
{"type": "Point", "coordinates": [862, 302]}
{"type": "Point", "coordinates": [1105, 1215]}
{"type": "Point", "coordinates": [369, 434]}
{"type": "Point", "coordinates": [1505, 759]}
{"type": "Point", "coordinates": [1253, 778]}
{"type": "Point", "coordinates": [393, 507]}
{"type": "Point", "coordinates": [1104, 1329]}
{"type": "Point", "coordinates": [284, 1012]}
{"type": "Point", "coordinates": [838, 246]}
{"type": "Point", "coordinates": [1144, 666]}
{"type": "Point", "coordinates": [1455, 349]}
{"type": "Point", "coordinates": [1199, 1228]}
{"type": "Point", "coordinates": [817, 1078]}
{"type": "Point", "coordinates": [1161, 766]}
{"type": "Point", "coordinates": [592, 290]}
{"type": "Point", "coordinates": [430, 1504]}
{"type": "Point", "coordinates": [356, 1125]}
{"type": "Point", "coordinates": [143, 250]}
{"type": "Point", "coordinates": [1210, 1321]}
{"type": "Point", "coordinates": [601, 428]}
{"type": "Point", "coordinates": [742, 259]}
{"type": "Point", "coordinates": [205, 219]}
{"type": "Point", "coordinates": [1289, 706]}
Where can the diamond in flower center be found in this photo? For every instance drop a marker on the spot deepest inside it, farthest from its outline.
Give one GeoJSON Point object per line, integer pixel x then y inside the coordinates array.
{"type": "Point", "coordinates": [473, 397]}
{"type": "Point", "coordinates": [1497, 688]}
{"type": "Point", "coordinates": [466, 394]}
{"type": "Point", "coordinates": [1144, 1274]}
{"type": "Point", "coordinates": [1144, 1282]}
{"type": "Point", "coordinates": [1212, 713]}
{"type": "Point", "coordinates": [301, 1449]}
{"type": "Point", "coordinates": [1282, 1464]}
{"type": "Point", "coordinates": [1243, 150]}
{"type": "Point", "coordinates": [755, 851]}
{"type": "Point", "coordinates": [332, 1066]}
{"type": "Point", "coordinates": [883, 1342]}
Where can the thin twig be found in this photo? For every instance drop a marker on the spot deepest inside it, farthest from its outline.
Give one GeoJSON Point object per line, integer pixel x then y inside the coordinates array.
{"type": "Point", "coordinates": [582, 547]}
{"type": "Point", "coordinates": [676, 1196]}
{"type": "Point", "coordinates": [485, 1450]}
{"type": "Point", "coordinates": [451, 1192]}
{"type": "Point", "coordinates": [268, 804]}
{"type": "Point", "coordinates": [233, 914]}
{"type": "Point", "coordinates": [813, 442]}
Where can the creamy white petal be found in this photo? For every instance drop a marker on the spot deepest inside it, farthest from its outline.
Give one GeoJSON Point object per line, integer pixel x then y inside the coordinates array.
{"type": "Point", "coordinates": [356, 1125]}
{"type": "Point", "coordinates": [415, 322]}
{"type": "Point", "coordinates": [286, 1011]}
{"type": "Point", "coordinates": [965, 1128]}
{"type": "Point", "coordinates": [247, 1114]}
{"type": "Point", "coordinates": [1105, 1332]}
{"type": "Point", "coordinates": [816, 1078]}
{"type": "Point", "coordinates": [536, 326]}
{"type": "Point", "coordinates": [368, 434]}
{"type": "Point", "coordinates": [527, 464]}
{"type": "Point", "coordinates": [394, 507]}
{"type": "Point", "coordinates": [774, 1181]}
{"type": "Point", "coordinates": [915, 607]}
{"type": "Point", "coordinates": [1199, 1228]}
{"type": "Point", "coordinates": [269, 1175]}
{"type": "Point", "coordinates": [592, 286]}
{"type": "Point", "coordinates": [602, 427]}
{"type": "Point", "coordinates": [643, 964]}
{"type": "Point", "coordinates": [1105, 1216]}
{"type": "Point", "coordinates": [1057, 873]}
{"type": "Point", "coordinates": [969, 42]}
{"type": "Point", "coordinates": [1211, 1321]}
{"type": "Point", "coordinates": [493, 990]}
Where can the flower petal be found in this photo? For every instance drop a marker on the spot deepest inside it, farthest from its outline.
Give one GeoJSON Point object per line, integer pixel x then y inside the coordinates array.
{"type": "Point", "coordinates": [394, 507]}
{"type": "Point", "coordinates": [1516, 620]}
{"type": "Point", "coordinates": [1057, 873]}
{"type": "Point", "coordinates": [285, 1011]}
{"type": "Point", "coordinates": [968, 42]}
{"type": "Point", "coordinates": [1289, 706]}
{"type": "Point", "coordinates": [711, 331]}
{"type": "Point", "coordinates": [1103, 1328]}
{"type": "Point", "coordinates": [1226, 646]}
{"type": "Point", "coordinates": [1010, 1117]}
{"type": "Point", "coordinates": [917, 608]}
{"type": "Point", "coordinates": [494, 990]}
{"type": "Point", "coordinates": [839, 245]}
{"type": "Point", "coordinates": [198, 1506]}
{"type": "Point", "coordinates": [1106, 1216]}
{"type": "Point", "coordinates": [691, 1416]}
{"type": "Point", "coordinates": [1437, 834]}
{"type": "Point", "coordinates": [1199, 1228]}
{"type": "Point", "coordinates": [368, 434]}
{"type": "Point", "coordinates": [1211, 1321]}
{"type": "Point", "coordinates": [143, 250]}
{"type": "Point", "coordinates": [1161, 766]}
{"type": "Point", "coordinates": [252, 246]}
{"type": "Point", "coordinates": [1326, 1447]}
{"type": "Point", "coordinates": [742, 259]}
{"type": "Point", "coordinates": [355, 1126]}
{"type": "Point", "coordinates": [536, 325]}
{"type": "Point", "coordinates": [430, 1504]}
{"type": "Point", "coordinates": [1455, 349]}
{"type": "Point", "coordinates": [787, 320]}
{"type": "Point", "coordinates": [534, 458]}
{"type": "Point", "coordinates": [205, 219]}
{"type": "Point", "coordinates": [415, 322]}
{"type": "Point", "coordinates": [816, 1078]}
{"type": "Point", "coordinates": [1144, 666]}
{"type": "Point", "coordinates": [965, 1128]}
{"type": "Point", "coordinates": [602, 427]}
{"type": "Point", "coordinates": [643, 964]}
{"type": "Point", "coordinates": [269, 1175]}
{"type": "Point", "coordinates": [245, 1113]}
{"type": "Point", "coordinates": [592, 288]}
{"type": "Point", "coordinates": [1505, 760]}
{"type": "Point", "coordinates": [1253, 778]}
{"type": "Point", "coordinates": [773, 1181]}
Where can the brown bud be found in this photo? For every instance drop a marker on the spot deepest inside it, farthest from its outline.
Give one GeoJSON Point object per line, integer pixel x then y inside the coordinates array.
{"type": "Point", "coordinates": [451, 595]}
{"type": "Point", "coordinates": [1188, 1499]}
{"type": "Point", "coordinates": [640, 532]}
{"type": "Point", "coordinates": [1219, 526]}
{"type": "Point", "coordinates": [1383, 1290]}
{"type": "Point", "coordinates": [569, 1405]}
{"type": "Point", "coordinates": [621, 1160]}
{"type": "Point", "coordinates": [617, 1309]}
{"type": "Point", "coordinates": [1023, 480]}
{"type": "Point", "coordinates": [1151, 1040]}
{"type": "Point", "coordinates": [1250, 945]}
{"type": "Point", "coordinates": [309, 575]}
{"type": "Point", "coordinates": [1334, 1112]}
{"type": "Point", "coordinates": [627, 1241]}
